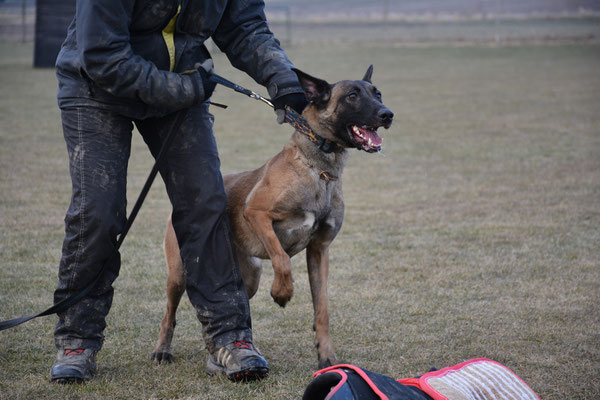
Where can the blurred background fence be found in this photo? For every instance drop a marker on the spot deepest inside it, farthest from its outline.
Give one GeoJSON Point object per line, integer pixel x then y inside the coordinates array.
{"type": "Point", "coordinates": [418, 21]}
{"type": "Point", "coordinates": [17, 20]}
{"type": "Point", "coordinates": [367, 21]}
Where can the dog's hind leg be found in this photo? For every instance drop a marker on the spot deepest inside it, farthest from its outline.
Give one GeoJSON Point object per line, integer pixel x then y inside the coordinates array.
{"type": "Point", "coordinates": [175, 289]}
{"type": "Point", "coordinates": [251, 269]}
{"type": "Point", "coordinates": [317, 259]}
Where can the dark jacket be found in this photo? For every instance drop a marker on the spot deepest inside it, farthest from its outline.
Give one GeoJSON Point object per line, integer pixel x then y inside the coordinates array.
{"type": "Point", "coordinates": [115, 55]}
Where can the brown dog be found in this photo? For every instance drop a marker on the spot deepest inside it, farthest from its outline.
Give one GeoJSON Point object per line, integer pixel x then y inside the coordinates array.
{"type": "Point", "coordinates": [293, 202]}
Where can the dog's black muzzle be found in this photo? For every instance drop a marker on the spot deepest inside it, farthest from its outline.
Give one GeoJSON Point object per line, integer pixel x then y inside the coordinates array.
{"type": "Point", "coordinates": [386, 116]}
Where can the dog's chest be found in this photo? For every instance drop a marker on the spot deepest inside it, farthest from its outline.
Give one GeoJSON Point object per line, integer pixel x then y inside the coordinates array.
{"type": "Point", "coordinates": [312, 214]}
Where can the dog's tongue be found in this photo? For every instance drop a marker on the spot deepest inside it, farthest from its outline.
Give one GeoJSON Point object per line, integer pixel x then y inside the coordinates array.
{"type": "Point", "coordinates": [375, 139]}
{"type": "Point", "coordinates": [368, 139]}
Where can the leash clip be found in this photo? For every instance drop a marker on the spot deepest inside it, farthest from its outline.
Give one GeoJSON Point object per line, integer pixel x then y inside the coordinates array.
{"type": "Point", "coordinates": [257, 96]}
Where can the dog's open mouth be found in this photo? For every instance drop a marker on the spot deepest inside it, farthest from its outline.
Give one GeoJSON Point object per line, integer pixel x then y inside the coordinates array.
{"type": "Point", "coordinates": [365, 138]}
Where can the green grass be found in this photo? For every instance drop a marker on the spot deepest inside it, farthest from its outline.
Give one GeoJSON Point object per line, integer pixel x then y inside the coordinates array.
{"type": "Point", "coordinates": [475, 233]}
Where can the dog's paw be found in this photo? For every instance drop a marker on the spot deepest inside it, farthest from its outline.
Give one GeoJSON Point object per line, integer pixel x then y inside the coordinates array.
{"type": "Point", "coordinates": [162, 356]}
{"type": "Point", "coordinates": [327, 361]}
{"type": "Point", "coordinates": [282, 294]}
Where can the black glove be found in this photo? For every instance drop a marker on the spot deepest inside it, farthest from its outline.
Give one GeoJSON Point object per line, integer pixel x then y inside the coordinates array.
{"type": "Point", "coordinates": [204, 86]}
{"type": "Point", "coordinates": [296, 101]}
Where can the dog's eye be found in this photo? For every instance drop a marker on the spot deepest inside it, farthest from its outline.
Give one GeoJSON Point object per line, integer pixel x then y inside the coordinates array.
{"type": "Point", "coordinates": [352, 96]}
{"type": "Point", "coordinates": [378, 95]}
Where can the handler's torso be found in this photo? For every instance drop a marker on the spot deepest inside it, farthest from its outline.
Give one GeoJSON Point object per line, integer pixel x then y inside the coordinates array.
{"type": "Point", "coordinates": [192, 22]}
{"type": "Point", "coordinates": [196, 21]}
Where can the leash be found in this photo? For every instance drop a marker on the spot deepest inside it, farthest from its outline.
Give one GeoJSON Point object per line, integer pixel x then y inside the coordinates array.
{"type": "Point", "coordinates": [66, 303]}
{"type": "Point", "coordinates": [291, 116]}
{"type": "Point", "coordinates": [222, 81]}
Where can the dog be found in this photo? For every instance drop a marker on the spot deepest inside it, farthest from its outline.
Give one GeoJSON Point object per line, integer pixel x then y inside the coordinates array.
{"type": "Point", "coordinates": [293, 202]}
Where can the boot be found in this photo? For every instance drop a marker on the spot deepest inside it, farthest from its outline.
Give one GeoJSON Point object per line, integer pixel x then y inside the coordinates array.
{"type": "Point", "coordinates": [73, 366]}
{"type": "Point", "coordinates": [239, 361]}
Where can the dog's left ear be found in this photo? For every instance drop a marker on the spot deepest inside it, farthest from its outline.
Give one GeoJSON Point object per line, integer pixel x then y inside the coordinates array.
{"type": "Point", "coordinates": [368, 74]}
{"type": "Point", "coordinates": [316, 90]}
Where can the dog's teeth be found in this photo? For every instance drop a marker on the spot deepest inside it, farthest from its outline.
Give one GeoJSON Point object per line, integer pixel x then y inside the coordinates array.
{"type": "Point", "coordinates": [357, 132]}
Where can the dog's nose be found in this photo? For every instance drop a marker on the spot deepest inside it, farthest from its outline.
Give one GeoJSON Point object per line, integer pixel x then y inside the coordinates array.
{"type": "Point", "coordinates": [386, 116]}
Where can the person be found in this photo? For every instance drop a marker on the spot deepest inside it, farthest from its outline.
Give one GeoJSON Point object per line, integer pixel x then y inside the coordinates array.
{"type": "Point", "coordinates": [127, 62]}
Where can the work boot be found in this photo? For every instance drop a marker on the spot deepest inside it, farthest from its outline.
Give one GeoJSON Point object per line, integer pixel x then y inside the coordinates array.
{"type": "Point", "coordinates": [239, 361]}
{"type": "Point", "coordinates": [73, 366]}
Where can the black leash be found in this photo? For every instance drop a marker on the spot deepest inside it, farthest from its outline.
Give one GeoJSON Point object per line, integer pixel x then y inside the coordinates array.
{"type": "Point", "coordinates": [222, 81]}
{"type": "Point", "coordinates": [291, 116]}
{"type": "Point", "coordinates": [66, 303]}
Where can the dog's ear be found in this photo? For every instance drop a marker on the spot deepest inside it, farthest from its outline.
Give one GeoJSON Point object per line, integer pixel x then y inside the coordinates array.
{"type": "Point", "coordinates": [316, 90]}
{"type": "Point", "coordinates": [368, 74]}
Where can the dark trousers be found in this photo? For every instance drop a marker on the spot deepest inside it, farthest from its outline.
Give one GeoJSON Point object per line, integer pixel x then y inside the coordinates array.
{"type": "Point", "coordinates": [99, 143]}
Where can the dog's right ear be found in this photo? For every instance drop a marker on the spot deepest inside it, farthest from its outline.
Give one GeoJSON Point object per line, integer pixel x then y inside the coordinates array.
{"type": "Point", "coordinates": [316, 90]}
{"type": "Point", "coordinates": [368, 74]}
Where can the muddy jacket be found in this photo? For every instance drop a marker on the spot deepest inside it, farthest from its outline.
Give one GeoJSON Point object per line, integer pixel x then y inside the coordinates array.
{"type": "Point", "coordinates": [119, 54]}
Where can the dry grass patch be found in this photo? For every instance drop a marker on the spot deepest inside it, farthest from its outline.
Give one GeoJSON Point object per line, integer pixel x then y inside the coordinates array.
{"type": "Point", "coordinates": [474, 234]}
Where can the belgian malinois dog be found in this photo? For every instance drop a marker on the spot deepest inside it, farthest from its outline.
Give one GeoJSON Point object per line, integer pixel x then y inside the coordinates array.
{"type": "Point", "coordinates": [293, 202]}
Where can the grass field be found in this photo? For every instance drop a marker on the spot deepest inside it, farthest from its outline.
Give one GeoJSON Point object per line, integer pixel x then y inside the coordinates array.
{"type": "Point", "coordinates": [476, 233]}
{"type": "Point", "coordinates": [424, 31]}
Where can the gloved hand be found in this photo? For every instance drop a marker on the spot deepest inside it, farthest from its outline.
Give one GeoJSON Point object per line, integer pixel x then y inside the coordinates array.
{"type": "Point", "coordinates": [296, 101]}
{"type": "Point", "coordinates": [204, 86]}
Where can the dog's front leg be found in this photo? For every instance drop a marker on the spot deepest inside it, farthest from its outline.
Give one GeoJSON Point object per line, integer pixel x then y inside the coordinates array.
{"type": "Point", "coordinates": [261, 222]}
{"type": "Point", "coordinates": [317, 259]}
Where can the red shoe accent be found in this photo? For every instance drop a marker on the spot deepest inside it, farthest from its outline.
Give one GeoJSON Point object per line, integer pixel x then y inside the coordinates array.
{"type": "Point", "coordinates": [73, 352]}
{"type": "Point", "coordinates": [242, 344]}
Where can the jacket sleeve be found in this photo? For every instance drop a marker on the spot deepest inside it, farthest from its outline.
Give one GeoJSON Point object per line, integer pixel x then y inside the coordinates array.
{"type": "Point", "coordinates": [106, 56]}
{"type": "Point", "coordinates": [244, 35]}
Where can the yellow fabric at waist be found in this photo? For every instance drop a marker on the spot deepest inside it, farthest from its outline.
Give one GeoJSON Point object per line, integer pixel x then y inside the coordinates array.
{"type": "Point", "coordinates": [169, 36]}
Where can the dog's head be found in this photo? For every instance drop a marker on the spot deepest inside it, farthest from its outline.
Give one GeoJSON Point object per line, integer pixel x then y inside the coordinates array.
{"type": "Point", "coordinates": [347, 112]}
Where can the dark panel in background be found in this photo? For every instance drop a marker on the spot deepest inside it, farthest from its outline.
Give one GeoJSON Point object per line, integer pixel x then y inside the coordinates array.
{"type": "Point", "coordinates": [52, 20]}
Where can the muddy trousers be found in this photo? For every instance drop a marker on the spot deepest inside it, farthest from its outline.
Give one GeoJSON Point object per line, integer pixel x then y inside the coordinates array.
{"type": "Point", "coordinates": [99, 143]}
